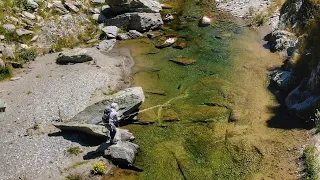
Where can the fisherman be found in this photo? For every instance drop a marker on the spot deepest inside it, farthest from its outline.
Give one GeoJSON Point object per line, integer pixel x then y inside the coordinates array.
{"type": "Point", "coordinates": [109, 118]}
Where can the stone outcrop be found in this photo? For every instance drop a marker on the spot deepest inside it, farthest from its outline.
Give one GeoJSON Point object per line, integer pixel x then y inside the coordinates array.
{"type": "Point", "coordinates": [122, 153]}
{"type": "Point", "coordinates": [99, 131]}
{"type": "Point", "coordinates": [128, 100]}
{"type": "Point", "coordinates": [106, 45]}
{"type": "Point", "coordinates": [123, 6]}
{"type": "Point", "coordinates": [141, 22]}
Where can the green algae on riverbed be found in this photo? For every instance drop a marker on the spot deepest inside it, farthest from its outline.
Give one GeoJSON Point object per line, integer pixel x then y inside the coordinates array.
{"type": "Point", "coordinates": [189, 106]}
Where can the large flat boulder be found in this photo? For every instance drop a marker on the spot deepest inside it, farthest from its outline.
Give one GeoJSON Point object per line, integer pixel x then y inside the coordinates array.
{"type": "Point", "coordinates": [74, 56]}
{"type": "Point", "coordinates": [123, 6]}
{"type": "Point", "coordinates": [128, 100]}
{"type": "Point", "coordinates": [90, 129]}
{"type": "Point", "coordinates": [123, 153]}
{"type": "Point", "coordinates": [141, 22]}
{"type": "Point", "coordinates": [99, 131]}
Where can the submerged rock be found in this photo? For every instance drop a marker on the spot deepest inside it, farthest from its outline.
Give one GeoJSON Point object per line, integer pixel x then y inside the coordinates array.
{"type": "Point", "coordinates": [184, 61]}
{"type": "Point", "coordinates": [180, 44]}
{"type": "Point", "coordinates": [74, 56]}
{"type": "Point", "coordinates": [168, 42]}
{"type": "Point", "coordinates": [122, 153]}
{"type": "Point", "coordinates": [205, 20]}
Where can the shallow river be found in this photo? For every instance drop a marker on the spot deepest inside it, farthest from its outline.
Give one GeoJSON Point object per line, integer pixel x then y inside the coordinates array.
{"type": "Point", "coordinates": [215, 118]}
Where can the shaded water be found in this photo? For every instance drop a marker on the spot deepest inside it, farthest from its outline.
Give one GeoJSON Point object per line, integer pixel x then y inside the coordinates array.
{"type": "Point", "coordinates": [208, 120]}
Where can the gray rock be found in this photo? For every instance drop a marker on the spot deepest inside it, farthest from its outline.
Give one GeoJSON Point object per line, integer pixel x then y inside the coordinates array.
{"type": "Point", "coordinates": [97, 2]}
{"type": "Point", "coordinates": [124, 6]}
{"type": "Point", "coordinates": [34, 38]}
{"type": "Point", "coordinates": [100, 18]}
{"type": "Point", "coordinates": [99, 131]}
{"type": "Point", "coordinates": [8, 51]}
{"type": "Point", "coordinates": [71, 6]}
{"type": "Point", "coordinates": [106, 45]}
{"type": "Point", "coordinates": [136, 21]}
{"type": "Point", "coordinates": [122, 36]}
{"type": "Point", "coordinates": [90, 129]}
{"type": "Point", "coordinates": [302, 102]}
{"type": "Point", "coordinates": [60, 7]}
{"type": "Point", "coordinates": [16, 64]}
{"type": "Point", "coordinates": [95, 11]}
{"type": "Point", "coordinates": [111, 32]}
{"type": "Point", "coordinates": [73, 56]}
{"type": "Point", "coordinates": [281, 40]}
{"type": "Point", "coordinates": [29, 15]}
{"type": "Point", "coordinates": [134, 34]}
{"type": "Point", "coordinates": [122, 153]}
{"type": "Point", "coordinates": [15, 78]}
{"type": "Point", "coordinates": [128, 100]}
{"type": "Point", "coordinates": [32, 4]}
{"type": "Point", "coordinates": [123, 135]}
{"type": "Point", "coordinates": [168, 17]}
{"type": "Point", "coordinates": [2, 105]}
{"type": "Point", "coordinates": [2, 64]}
{"type": "Point", "coordinates": [13, 19]}
{"type": "Point", "coordinates": [22, 32]}
{"type": "Point", "coordinates": [9, 27]}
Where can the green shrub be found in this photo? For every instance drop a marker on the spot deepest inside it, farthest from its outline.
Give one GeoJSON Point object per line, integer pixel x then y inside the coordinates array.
{"type": "Point", "coordinates": [28, 55]}
{"type": "Point", "coordinates": [258, 20]}
{"type": "Point", "coordinates": [310, 163]}
{"type": "Point", "coordinates": [4, 73]}
{"type": "Point", "coordinates": [74, 177]}
{"type": "Point", "coordinates": [99, 168]}
{"type": "Point", "coordinates": [74, 151]}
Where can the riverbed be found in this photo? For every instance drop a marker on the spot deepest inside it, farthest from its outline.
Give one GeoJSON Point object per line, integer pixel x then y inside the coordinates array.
{"type": "Point", "coordinates": [217, 117]}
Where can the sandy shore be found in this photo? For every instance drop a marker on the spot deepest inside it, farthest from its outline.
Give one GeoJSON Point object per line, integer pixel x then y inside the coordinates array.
{"type": "Point", "coordinates": [45, 92]}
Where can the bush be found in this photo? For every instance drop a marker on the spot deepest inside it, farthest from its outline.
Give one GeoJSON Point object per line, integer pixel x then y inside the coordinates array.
{"type": "Point", "coordinates": [258, 20]}
{"type": "Point", "coordinates": [4, 73]}
{"type": "Point", "coordinates": [28, 55]}
{"type": "Point", "coordinates": [73, 177]}
{"type": "Point", "coordinates": [74, 151]}
{"type": "Point", "coordinates": [99, 168]}
{"type": "Point", "coordinates": [310, 162]}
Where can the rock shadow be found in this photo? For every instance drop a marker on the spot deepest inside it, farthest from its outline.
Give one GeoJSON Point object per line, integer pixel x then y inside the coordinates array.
{"type": "Point", "coordinates": [78, 137]}
{"type": "Point", "coordinates": [282, 119]}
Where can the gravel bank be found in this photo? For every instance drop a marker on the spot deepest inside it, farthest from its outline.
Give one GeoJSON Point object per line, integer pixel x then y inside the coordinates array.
{"type": "Point", "coordinates": [44, 92]}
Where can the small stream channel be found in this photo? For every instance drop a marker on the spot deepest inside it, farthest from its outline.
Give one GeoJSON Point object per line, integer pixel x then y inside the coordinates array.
{"type": "Point", "coordinates": [200, 121]}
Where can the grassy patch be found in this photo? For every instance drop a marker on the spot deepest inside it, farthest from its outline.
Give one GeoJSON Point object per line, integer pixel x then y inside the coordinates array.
{"type": "Point", "coordinates": [99, 168]}
{"type": "Point", "coordinates": [310, 162]}
{"type": "Point", "coordinates": [5, 73]}
{"type": "Point", "coordinates": [28, 55]}
{"type": "Point", "coordinates": [74, 177]}
{"type": "Point", "coordinates": [74, 151]}
{"type": "Point", "coordinates": [258, 19]}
